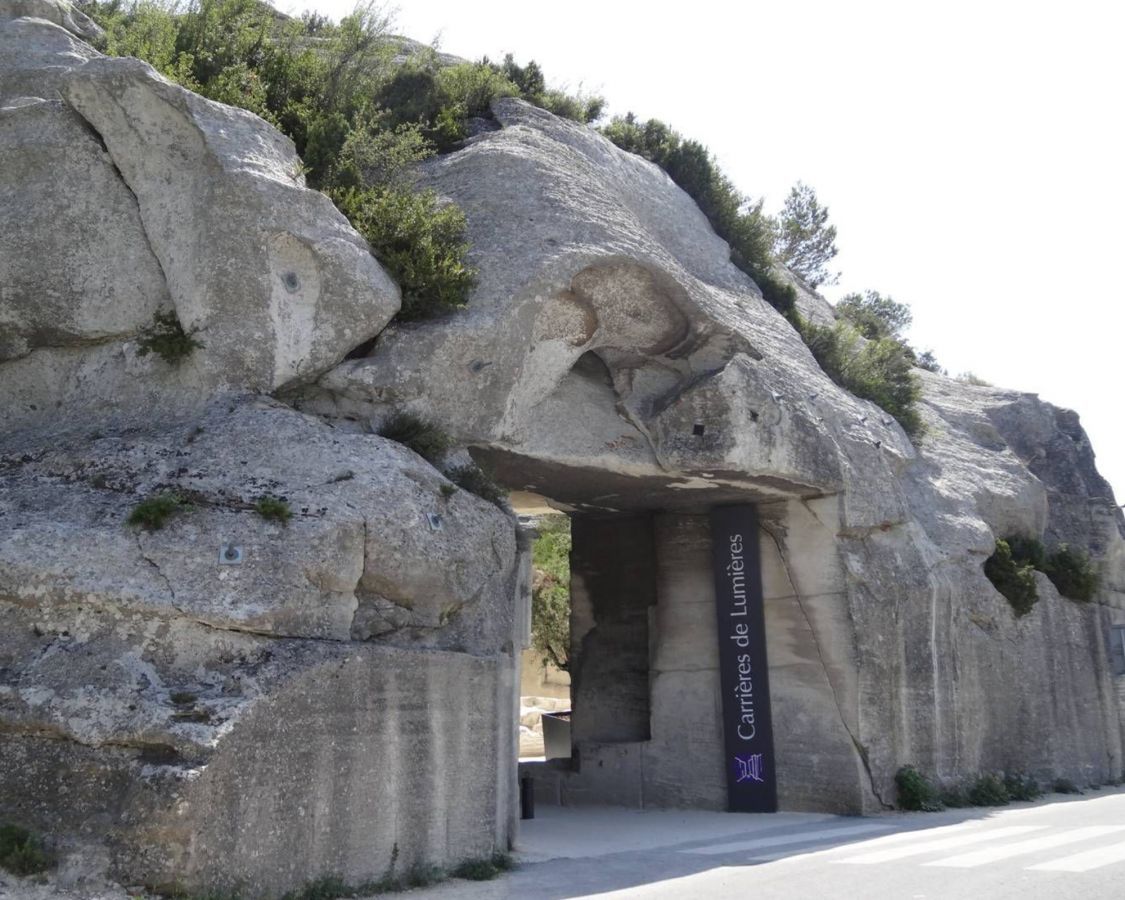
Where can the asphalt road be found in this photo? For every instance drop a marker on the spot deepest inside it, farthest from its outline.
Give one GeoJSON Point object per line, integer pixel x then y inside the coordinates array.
{"type": "Point", "coordinates": [1060, 847]}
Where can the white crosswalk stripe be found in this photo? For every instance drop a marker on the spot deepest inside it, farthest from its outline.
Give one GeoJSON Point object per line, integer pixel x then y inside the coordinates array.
{"type": "Point", "coordinates": [977, 836]}
{"type": "Point", "coordinates": [1085, 861]}
{"type": "Point", "coordinates": [800, 837]}
{"type": "Point", "coordinates": [1021, 848]}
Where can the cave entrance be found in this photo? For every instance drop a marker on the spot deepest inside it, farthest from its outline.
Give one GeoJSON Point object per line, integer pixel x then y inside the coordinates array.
{"type": "Point", "coordinates": [645, 718]}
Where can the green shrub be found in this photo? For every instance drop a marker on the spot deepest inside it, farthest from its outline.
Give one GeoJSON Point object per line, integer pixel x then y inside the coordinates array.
{"type": "Point", "coordinates": [875, 316]}
{"type": "Point", "coordinates": [1065, 786]}
{"type": "Point", "coordinates": [550, 591]}
{"type": "Point", "coordinates": [988, 790]}
{"type": "Point", "coordinates": [273, 509]}
{"type": "Point", "coordinates": [1027, 551]}
{"type": "Point", "coordinates": [476, 481]}
{"type": "Point", "coordinates": [21, 852]}
{"type": "Point", "coordinates": [424, 438]}
{"type": "Point", "coordinates": [1072, 573]}
{"type": "Point", "coordinates": [153, 512]}
{"type": "Point", "coordinates": [422, 244]}
{"type": "Point", "coordinates": [532, 87]}
{"type": "Point", "coordinates": [167, 339]}
{"type": "Point", "coordinates": [741, 223]}
{"type": "Point", "coordinates": [876, 370]}
{"type": "Point", "coordinates": [1014, 580]}
{"type": "Point", "coordinates": [1022, 787]}
{"type": "Point", "coordinates": [1010, 569]}
{"type": "Point", "coordinates": [954, 795]}
{"type": "Point", "coordinates": [915, 792]}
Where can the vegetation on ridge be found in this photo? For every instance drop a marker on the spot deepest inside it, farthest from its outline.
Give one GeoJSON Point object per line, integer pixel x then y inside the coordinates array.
{"type": "Point", "coordinates": [359, 114]}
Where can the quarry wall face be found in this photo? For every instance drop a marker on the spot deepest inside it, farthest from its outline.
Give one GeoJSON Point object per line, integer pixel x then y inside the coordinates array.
{"type": "Point", "coordinates": [337, 693]}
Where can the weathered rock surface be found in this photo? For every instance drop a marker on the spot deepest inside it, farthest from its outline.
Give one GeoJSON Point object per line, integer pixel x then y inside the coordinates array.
{"type": "Point", "coordinates": [337, 700]}
{"type": "Point", "coordinates": [614, 360]}
{"type": "Point", "coordinates": [343, 699]}
{"type": "Point", "coordinates": [191, 207]}
{"type": "Point", "coordinates": [149, 683]}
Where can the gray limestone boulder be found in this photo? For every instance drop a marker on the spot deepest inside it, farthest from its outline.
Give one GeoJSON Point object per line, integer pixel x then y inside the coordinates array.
{"type": "Point", "coordinates": [184, 206]}
{"type": "Point", "coordinates": [149, 680]}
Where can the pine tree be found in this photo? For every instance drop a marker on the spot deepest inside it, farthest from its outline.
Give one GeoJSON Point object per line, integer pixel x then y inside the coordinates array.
{"type": "Point", "coordinates": [804, 241]}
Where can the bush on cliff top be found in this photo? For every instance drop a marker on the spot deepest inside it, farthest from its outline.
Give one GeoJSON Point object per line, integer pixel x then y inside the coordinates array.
{"type": "Point", "coordinates": [359, 115]}
{"type": "Point", "coordinates": [735, 218]}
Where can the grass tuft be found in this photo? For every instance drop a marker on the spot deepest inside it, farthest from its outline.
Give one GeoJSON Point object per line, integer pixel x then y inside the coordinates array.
{"type": "Point", "coordinates": [273, 509]}
{"type": "Point", "coordinates": [168, 340]}
{"type": "Point", "coordinates": [153, 512]}
{"type": "Point", "coordinates": [21, 852]}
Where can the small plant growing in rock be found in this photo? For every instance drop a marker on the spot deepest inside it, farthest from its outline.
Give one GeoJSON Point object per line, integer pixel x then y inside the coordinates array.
{"type": "Point", "coordinates": [273, 509]}
{"type": "Point", "coordinates": [915, 791]}
{"type": "Point", "coordinates": [1016, 581]}
{"type": "Point", "coordinates": [988, 790]}
{"type": "Point", "coordinates": [153, 512]}
{"type": "Point", "coordinates": [424, 438]}
{"type": "Point", "coordinates": [1072, 573]}
{"type": "Point", "coordinates": [168, 340]}
{"type": "Point", "coordinates": [447, 489]}
{"type": "Point", "coordinates": [21, 852]}
{"type": "Point", "coordinates": [476, 481]}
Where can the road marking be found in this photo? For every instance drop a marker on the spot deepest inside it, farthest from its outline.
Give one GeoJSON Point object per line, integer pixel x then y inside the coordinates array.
{"type": "Point", "coordinates": [1084, 862]}
{"type": "Point", "coordinates": [977, 836]}
{"type": "Point", "coordinates": [1034, 845]}
{"type": "Point", "coordinates": [800, 837]}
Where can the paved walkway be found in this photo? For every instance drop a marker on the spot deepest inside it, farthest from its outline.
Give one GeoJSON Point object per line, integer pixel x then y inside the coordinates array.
{"type": "Point", "coordinates": [1056, 848]}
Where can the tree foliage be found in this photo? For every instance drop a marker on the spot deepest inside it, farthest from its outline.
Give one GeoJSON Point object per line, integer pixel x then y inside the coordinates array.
{"type": "Point", "coordinates": [874, 315]}
{"type": "Point", "coordinates": [804, 241]}
{"type": "Point", "coordinates": [550, 592]}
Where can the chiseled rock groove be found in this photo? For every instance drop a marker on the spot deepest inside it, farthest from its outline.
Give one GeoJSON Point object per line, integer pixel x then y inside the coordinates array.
{"type": "Point", "coordinates": [612, 358]}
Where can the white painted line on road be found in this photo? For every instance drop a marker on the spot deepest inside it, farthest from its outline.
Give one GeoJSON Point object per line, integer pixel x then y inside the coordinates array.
{"type": "Point", "coordinates": [977, 836]}
{"type": "Point", "coordinates": [1084, 862]}
{"type": "Point", "coordinates": [800, 837]}
{"type": "Point", "coordinates": [1034, 845]}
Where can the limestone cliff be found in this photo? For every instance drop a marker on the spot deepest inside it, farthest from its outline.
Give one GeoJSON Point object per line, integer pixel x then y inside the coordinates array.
{"type": "Point", "coordinates": [231, 694]}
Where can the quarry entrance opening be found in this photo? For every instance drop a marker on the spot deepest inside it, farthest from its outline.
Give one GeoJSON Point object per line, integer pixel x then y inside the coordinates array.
{"type": "Point", "coordinates": [646, 676]}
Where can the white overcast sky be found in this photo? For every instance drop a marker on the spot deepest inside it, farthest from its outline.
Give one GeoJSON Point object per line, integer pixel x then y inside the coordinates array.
{"type": "Point", "coordinates": [971, 154]}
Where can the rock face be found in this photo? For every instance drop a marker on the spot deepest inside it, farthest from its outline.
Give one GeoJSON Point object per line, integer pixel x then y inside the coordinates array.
{"type": "Point", "coordinates": [146, 198]}
{"type": "Point", "coordinates": [232, 701]}
{"type": "Point", "coordinates": [615, 361]}
{"type": "Point", "coordinates": [228, 701]}
{"type": "Point", "coordinates": [183, 682]}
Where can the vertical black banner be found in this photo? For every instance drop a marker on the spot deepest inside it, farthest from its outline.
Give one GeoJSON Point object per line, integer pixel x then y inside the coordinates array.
{"type": "Point", "coordinates": [748, 732]}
